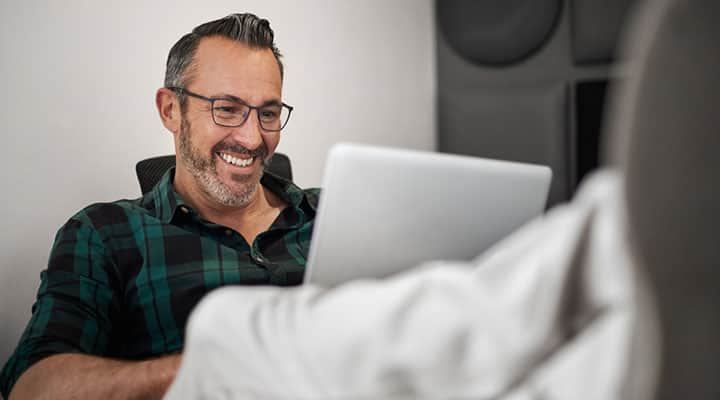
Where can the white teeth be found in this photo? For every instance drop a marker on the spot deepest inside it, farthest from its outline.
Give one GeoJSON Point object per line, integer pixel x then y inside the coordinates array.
{"type": "Point", "coordinates": [236, 161]}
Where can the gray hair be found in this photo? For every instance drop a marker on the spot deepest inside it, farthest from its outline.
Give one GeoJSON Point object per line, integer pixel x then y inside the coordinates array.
{"type": "Point", "coordinates": [244, 28]}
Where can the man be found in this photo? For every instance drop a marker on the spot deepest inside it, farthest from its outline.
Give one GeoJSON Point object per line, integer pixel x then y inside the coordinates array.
{"type": "Point", "coordinates": [122, 277]}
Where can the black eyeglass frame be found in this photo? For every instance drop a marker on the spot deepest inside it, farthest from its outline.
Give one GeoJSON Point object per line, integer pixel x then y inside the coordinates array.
{"type": "Point", "coordinates": [212, 101]}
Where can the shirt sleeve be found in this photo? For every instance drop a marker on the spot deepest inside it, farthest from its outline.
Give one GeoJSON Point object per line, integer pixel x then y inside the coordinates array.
{"type": "Point", "coordinates": [75, 304]}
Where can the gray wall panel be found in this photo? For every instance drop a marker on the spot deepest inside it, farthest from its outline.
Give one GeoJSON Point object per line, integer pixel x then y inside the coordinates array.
{"type": "Point", "coordinates": [595, 27]}
{"type": "Point", "coordinates": [524, 111]}
{"type": "Point", "coordinates": [498, 32]}
{"type": "Point", "coordinates": [516, 124]}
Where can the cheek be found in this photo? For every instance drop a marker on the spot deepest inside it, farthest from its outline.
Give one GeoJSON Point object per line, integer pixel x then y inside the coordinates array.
{"type": "Point", "coordinates": [205, 137]}
{"type": "Point", "coordinates": [271, 142]}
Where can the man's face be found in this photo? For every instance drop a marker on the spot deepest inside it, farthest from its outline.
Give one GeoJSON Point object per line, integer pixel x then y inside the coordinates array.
{"type": "Point", "coordinates": [225, 163]}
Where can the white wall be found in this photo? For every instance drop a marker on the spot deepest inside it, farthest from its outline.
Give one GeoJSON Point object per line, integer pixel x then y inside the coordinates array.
{"type": "Point", "coordinates": [77, 102]}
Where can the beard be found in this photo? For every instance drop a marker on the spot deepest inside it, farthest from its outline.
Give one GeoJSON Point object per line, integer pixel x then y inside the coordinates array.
{"type": "Point", "coordinates": [203, 169]}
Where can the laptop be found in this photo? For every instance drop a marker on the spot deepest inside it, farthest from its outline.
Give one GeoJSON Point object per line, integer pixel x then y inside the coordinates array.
{"type": "Point", "coordinates": [384, 210]}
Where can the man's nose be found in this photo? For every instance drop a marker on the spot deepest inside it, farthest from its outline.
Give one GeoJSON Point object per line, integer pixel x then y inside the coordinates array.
{"type": "Point", "coordinates": [249, 134]}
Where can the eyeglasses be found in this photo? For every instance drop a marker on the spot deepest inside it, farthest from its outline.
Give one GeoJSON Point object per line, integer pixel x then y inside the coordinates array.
{"type": "Point", "coordinates": [232, 113]}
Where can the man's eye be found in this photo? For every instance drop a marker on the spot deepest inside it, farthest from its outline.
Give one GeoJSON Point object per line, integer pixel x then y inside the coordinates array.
{"type": "Point", "coordinates": [228, 109]}
{"type": "Point", "coordinates": [268, 114]}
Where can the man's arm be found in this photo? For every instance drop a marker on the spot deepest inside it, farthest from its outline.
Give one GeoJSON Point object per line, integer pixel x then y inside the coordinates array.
{"type": "Point", "coordinates": [74, 314]}
{"type": "Point", "coordinates": [77, 376]}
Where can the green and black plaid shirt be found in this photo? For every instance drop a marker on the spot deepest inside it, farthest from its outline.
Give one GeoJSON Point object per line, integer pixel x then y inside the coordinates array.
{"type": "Point", "coordinates": [123, 277]}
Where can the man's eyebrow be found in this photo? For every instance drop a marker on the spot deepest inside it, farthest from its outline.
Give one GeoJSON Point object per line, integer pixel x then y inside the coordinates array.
{"type": "Point", "coordinates": [273, 102]}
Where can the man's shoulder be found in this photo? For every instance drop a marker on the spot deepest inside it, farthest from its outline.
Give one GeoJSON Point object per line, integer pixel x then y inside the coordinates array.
{"type": "Point", "coordinates": [103, 214]}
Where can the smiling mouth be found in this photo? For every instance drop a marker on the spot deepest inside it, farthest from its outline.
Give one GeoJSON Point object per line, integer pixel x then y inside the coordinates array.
{"type": "Point", "coordinates": [238, 162]}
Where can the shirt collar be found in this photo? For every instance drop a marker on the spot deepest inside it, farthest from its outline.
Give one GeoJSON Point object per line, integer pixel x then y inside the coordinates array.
{"type": "Point", "coordinates": [168, 201]}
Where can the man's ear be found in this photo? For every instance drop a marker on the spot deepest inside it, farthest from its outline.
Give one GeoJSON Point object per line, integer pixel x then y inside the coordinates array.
{"type": "Point", "coordinates": [169, 109]}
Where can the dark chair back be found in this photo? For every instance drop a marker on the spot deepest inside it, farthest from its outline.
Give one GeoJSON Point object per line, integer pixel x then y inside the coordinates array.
{"type": "Point", "coordinates": [150, 170]}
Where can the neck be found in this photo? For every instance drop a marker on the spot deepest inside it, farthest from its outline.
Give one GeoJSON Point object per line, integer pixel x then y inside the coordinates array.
{"type": "Point", "coordinates": [250, 219]}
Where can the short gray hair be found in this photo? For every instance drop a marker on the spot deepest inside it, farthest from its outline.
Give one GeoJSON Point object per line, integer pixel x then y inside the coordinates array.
{"type": "Point", "coordinates": [245, 28]}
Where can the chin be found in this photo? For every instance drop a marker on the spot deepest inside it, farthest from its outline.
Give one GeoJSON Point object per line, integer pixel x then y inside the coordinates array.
{"type": "Point", "coordinates": [235, 195]}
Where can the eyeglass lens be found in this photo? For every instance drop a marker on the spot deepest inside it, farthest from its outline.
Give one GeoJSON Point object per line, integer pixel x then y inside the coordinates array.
{"type": "Point", "coordinates": [232, 113]}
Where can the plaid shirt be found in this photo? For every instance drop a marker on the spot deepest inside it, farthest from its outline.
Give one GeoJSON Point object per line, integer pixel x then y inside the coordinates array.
{"type": "Point", "coordinates": [123, 277]}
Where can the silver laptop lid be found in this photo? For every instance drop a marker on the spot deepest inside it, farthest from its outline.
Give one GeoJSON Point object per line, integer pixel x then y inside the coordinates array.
{"type": "Point", "coordinates": [384, 210]}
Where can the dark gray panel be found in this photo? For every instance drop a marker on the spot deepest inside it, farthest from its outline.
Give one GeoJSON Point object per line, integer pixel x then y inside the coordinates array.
{"type": "Point", "coordinates": [497, 32]}
{"type": "Point", "coordinates": [595, 28]}
{"type": "Point", "coordinates": [520, 124]}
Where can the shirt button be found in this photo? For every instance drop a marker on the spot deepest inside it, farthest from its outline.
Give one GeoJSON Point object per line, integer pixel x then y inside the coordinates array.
{"type": "Point", "coordinates": [228, 232]}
